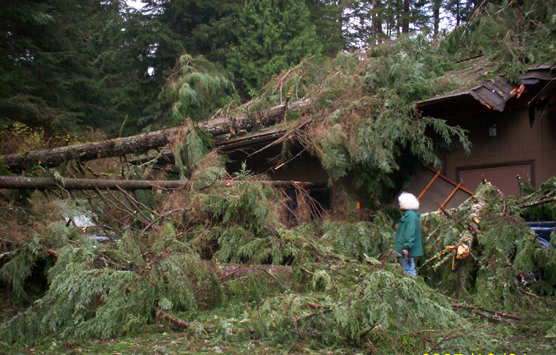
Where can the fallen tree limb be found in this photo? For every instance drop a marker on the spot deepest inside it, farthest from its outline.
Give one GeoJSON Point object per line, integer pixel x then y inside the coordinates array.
{"type": "Point", "coordinates": [468, 225]}
{"type": "Point", "coordinates": [221, 271]}
{"type": "Point", "coordinates": [486, 310]}
{"type": "Point", "coordinates": [227, 270]}
{"type": "Point", "coordinates": [535, 203]}
{"type": "Point", "coordinates": [448, 336]}
{"type": "Point", "coordinates": [28, 183]}
{"type": "Point", "coordinates": [368, 330]}
{"type": "Point", "coordinates": [141, 143]}
{"type": "Point", "coordinates": [494, 316]}
{"type": "Point", "coordinates": [161, 314]}
{"type": "Point", "coordinates": [530, 294]}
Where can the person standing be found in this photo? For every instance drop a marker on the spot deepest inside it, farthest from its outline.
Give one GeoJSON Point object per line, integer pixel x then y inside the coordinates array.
{"type": "Point", "coordinates": [407, 243]}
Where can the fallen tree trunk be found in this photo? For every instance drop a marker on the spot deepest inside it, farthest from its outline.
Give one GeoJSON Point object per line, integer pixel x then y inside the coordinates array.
{"type": "Point", "coordinates": [28, 183]}
{"type": "Point", "coordinates": [141, 143]}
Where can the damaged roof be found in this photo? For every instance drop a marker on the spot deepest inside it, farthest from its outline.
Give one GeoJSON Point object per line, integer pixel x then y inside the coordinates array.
{"type": "Point", "coordinates": [495, 93]}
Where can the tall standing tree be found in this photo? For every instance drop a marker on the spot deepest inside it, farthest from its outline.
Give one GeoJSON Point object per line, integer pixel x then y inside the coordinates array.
{"type": "Point", "coordinates": [327, 17]}
{"type": "Point", "coordinates": [273, 35]}
{"type": "Point", "coordinates": [360, 25]}
{"type": "Point", "coordinates": [164, 31]}
{"type": "Point", "coordinates": [460, 10]}
{"type": "Point", "coordinates": [405, 16]}
{"type": "Point", "coordinates": [52, 63]}
{"type": "Point", "coordinates": [377, 17]}
{"type": "Point", "coordinates": [436, 7]}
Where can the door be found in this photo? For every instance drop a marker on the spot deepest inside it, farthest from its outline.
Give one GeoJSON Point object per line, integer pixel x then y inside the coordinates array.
{"type": "Point", "coordinates": [503, 177]}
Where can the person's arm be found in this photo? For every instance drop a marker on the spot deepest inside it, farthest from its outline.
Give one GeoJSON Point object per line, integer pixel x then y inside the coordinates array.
{"type": "Point", "coordinates": [409, 232]}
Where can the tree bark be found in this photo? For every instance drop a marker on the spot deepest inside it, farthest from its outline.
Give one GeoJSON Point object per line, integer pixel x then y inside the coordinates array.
{"type": "Point", "coordinates": [143, 142]}
{"type": "Point", "coordinates": [376, 29]}
{"type": "Point", "coordinates": [405, 17]}
{"type": "Point", "coordinates": [538, 202]}
{"type": "Point", "coordinates": [436, 15]}
{"type": "Point", "coordinates": [18, 182]}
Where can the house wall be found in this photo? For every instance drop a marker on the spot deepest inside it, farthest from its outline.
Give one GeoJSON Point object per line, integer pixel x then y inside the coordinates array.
{"type": "Point", "coordinates": [515, 143]}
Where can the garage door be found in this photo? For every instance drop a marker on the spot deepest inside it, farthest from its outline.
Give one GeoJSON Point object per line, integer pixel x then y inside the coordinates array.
{"type": "Point", "coordinates": [503, 177]}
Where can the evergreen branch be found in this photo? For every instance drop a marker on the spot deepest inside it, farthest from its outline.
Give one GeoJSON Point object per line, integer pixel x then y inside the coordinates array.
{"type": "Point", "coordinates": [486, 310]}
{"type": "Point", "coordinates": [126, 208]}
{"type": "Point", "coordinates": [327, 268]}
{"type": "Point", "coordinates": [368, 330]}
{"type": "Point", "coordinates": [69, 197]}
{"type": "Point", "coordinates": [494, 316]}
{"type": "Point", "coordinates": [164, 215]}
{"type": "Point", "coordinates": [530, 294]}
{"type": "Point", "coordinates": [536, 203]}
{"type": "Point", "coordinates": [104, 210]}
{"type": "Point", "coordinates": [470, 20]}
{"type": "Point", "coordinates": [136, 304]}
{"type": "Point", "coordinates": [468, 225]}
{"type": "Point", "coordinates": [284, 137]}
{"type": "Point", "coordinates": [445, 251]}
{"type": "Point", "coordinates": [9, 253]}
{"type": "Point", "coordinates": [227, 275]}
{"type": "Point", "coordinates": [386, 257]}
{"type": "Point", "coordinates": [164, 315]}
{"type": "Point", "coordinates": [448, 337]}
{"type": "Point", "coordinates": [136, 203]}
{"type": "Point", "coordinates": [503, 200]}
{"type": "Point", "coordinates": [109, 261]}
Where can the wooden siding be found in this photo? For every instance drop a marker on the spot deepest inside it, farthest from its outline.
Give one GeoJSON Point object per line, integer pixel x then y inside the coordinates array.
{"type": "Point", "coordinates": [515, 143]}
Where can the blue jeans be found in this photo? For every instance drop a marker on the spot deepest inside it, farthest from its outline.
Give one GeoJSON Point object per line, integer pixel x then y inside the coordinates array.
{"type": "Point", "coordinates": [409, 269]}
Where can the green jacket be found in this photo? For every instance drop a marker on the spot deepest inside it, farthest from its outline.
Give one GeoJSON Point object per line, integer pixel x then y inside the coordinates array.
{"type": "Point", "coordinates": [408, 235]}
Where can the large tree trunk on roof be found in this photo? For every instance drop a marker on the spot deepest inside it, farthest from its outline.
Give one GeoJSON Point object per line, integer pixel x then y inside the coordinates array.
{"type": "Point", "coordinates": [19, 182]}
{"type": "Point", "coordinates": [143, 142]}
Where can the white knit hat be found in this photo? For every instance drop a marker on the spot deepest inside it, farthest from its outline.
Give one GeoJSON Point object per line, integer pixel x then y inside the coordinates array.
{"type": "Point", "coordinates": [408, 201]}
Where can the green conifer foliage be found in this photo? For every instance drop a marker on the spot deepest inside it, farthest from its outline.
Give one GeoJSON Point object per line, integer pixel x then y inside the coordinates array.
{"type": "Point", "coordinates": [361, 239]}
{"type": "Point", "coordinates": [273, 35]}
{"type": "Point", "coordinates": [504, 255]}
{"type": "Point", "coordinates": [546, 191]}
{"type": "Point", "coordinates": [54, 66]}
{"type": "Point", "coordinates": [326, 15]}
{"type": "Point", "coordinates": [104, 290]}
{"type": "Point", "coordinates": [196, 87]}
{"type": "Point", "coordinates": [511, 35]}
{"type": "Point", "coordinates": [339, 290]}
{"type": "Point", "coordinates": [365, 122]}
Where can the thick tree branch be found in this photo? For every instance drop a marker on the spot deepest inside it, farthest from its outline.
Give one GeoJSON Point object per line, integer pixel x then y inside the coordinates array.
{"type": "Point", "coordinates": [143, 142]}
{"type": "Point", "coordinates": [19, 182]}
{"type": "Point", "coordinates": [538, 202]}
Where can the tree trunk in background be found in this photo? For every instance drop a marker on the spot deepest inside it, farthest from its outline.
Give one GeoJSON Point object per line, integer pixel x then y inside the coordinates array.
{"type": "Point", "coordinates": [458, 17]}
{"type": "Point", "coordinates": [143, 142]}
{"type": "Point", "coordinates": [405, 17]}
{"type": "Point", "coordinates": [377, 22]}
{"type": "Point", "coordinates": [436, 13]}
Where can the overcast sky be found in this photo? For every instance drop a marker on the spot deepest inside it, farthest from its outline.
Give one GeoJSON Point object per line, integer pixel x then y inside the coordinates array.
{"type": "Point", "coordinates": [135, 3]}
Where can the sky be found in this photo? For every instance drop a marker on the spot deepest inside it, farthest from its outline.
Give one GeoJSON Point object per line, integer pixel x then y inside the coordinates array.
{"type": "Point", "coordinates": [135, 3]}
